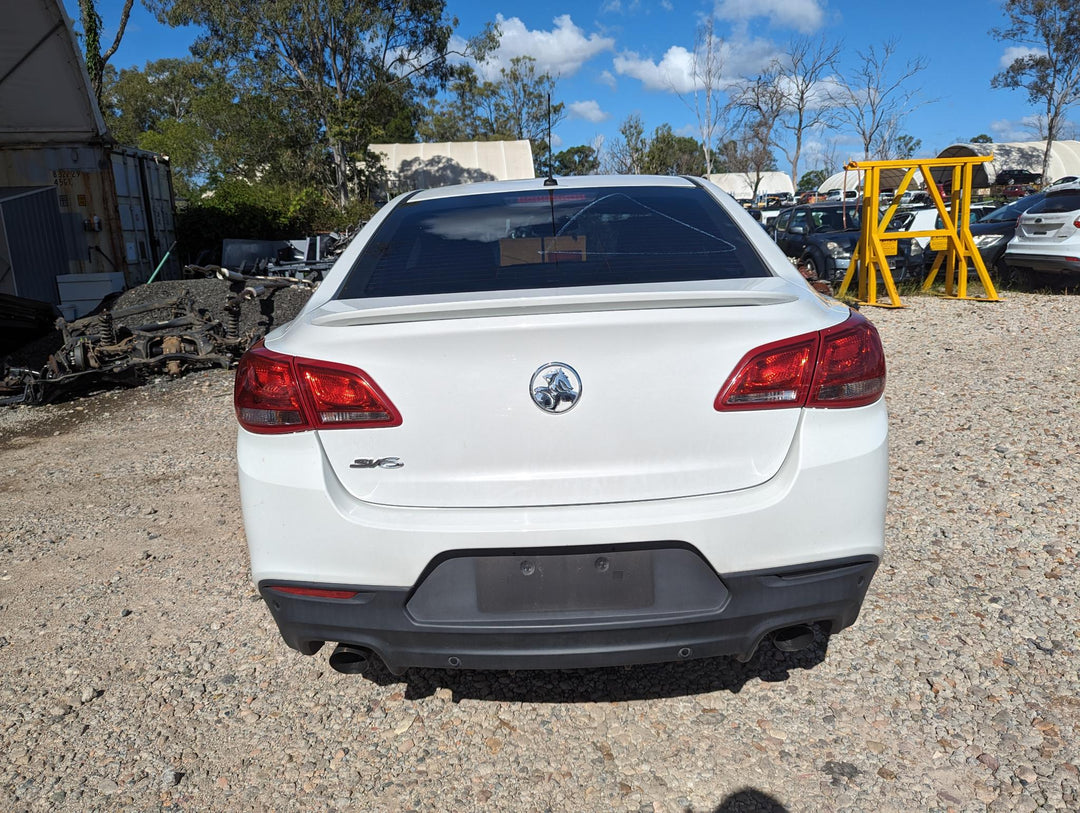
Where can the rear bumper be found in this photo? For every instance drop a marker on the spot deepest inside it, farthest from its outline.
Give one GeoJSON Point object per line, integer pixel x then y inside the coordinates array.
{"type": "Point", "coordinates": [692, 613]}
{"type": "Point", "coordinates": [827, 502]}
{"type": "Point", "coordinates": [1044, 263]}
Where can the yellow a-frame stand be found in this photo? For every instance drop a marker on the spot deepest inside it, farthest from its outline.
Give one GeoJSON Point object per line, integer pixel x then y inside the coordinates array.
{"type": "Point", "coordinates": [953, 241]}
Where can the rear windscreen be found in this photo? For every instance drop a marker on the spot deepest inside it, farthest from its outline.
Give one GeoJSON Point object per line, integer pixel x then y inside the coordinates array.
{"type": "Point", "coordinates": [551, 238]}
{"type": "Point", "coordinates": [1057, 202]}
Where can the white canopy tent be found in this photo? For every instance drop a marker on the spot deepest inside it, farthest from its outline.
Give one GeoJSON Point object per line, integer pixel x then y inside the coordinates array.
{"type": "Point", "coordinates": [426, 166]}
{"type": "Point", "coordinates": [1022, 156]}
{"type": "Point", "coordinates": [740, 185]}
{"type": "Point", "coordinates": [38, 51]}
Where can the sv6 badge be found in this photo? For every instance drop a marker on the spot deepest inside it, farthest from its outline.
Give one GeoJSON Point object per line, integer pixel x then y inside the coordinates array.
{"type": "Point", "coordinates": [380, 463]}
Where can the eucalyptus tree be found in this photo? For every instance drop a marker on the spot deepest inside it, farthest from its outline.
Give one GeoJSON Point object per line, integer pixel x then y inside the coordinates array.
{"type": "Point", "coordinates": [1048, 33]}
{"type": "Point", "coordinates": [344, 64]}
{"type": "Point", "coordinates": [96, 59]}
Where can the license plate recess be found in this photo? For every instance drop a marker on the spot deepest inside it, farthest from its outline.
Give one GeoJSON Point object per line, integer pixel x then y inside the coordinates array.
{"type": "Point", "coordinates": [621, 580]}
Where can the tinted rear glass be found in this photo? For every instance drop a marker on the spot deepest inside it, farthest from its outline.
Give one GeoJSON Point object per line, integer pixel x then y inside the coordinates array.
{"type": "Point", "coordinates": [549, 239]}
{"type": "Point", "coordinates": [1013, 210]}
{"type": "Point", "coordinates": [1056, 202]}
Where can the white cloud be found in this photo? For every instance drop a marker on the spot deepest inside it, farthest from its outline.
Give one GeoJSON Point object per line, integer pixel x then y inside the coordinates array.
{"type": "Point", "coordinates": [802, 15]}
{"type": "Point", "coordinates": [607, 78]}
{"type": "Point", "coordinates": [667, 5]}
{"type": "Point", "coordinates": [588, 110]}
{"type": "Point", "coordinates": [1015, 52]}
{"type": "Point", "coordinates": [675, 71]}
{"type": "Point", "coordinates": [1031, 127]}
{"type": "Point", "coordinates": [559, 52]}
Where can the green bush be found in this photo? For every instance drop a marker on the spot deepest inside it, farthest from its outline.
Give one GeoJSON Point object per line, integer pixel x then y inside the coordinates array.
{"type": "Point", "coordinates": [239, 210]}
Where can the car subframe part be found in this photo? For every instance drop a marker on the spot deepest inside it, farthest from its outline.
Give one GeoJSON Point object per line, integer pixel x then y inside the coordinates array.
{"type": "Point", "coordinates": [106, 349]}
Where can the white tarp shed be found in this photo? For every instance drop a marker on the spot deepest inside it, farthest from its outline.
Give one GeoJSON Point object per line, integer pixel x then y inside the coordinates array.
{"type": "Point", "coordinates": [1016, 156]}
{"type": "Point", "coordinates": [426, 166]}
{"type": "Point", "coordinates": [851, 181]}
{"type": "Point", "coordinates": [740, 185]}
{"type": "Point", "coordinates": [44, 88]}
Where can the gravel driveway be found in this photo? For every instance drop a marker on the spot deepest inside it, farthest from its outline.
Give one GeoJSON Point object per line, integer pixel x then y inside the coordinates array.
{"type": "Point", "coordinates": [140, 670]}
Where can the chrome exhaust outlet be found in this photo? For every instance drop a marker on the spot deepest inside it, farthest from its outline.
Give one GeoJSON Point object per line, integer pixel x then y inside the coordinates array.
{"type": "Point", "coordinates": [349, 659]}
{"type": "Point", "coordinates": [793, 639]}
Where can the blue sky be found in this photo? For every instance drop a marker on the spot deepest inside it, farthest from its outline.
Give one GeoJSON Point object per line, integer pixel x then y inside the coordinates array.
{"type": "Point", "coordinates": [617, 57]}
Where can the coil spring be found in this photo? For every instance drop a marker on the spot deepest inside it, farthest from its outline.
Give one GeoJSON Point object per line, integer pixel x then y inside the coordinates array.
{"type": "Point", "coordinates": [232, 322]}
{"type": "Point", "coordinates": [106, 328]}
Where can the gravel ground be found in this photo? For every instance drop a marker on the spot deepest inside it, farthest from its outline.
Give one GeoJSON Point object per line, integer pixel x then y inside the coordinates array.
{"type": "Point", "coordinates": [139, 669]}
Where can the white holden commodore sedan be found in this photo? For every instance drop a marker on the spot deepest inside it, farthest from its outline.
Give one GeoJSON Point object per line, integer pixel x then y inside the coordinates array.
{"type": "Point", "coordinates": [563, 423]}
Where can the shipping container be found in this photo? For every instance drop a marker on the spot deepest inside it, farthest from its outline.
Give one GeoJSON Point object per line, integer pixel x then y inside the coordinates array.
{"type": "Point", "coordinates": [112, 208]}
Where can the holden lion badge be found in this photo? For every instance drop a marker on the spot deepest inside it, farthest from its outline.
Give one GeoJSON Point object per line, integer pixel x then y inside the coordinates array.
{"type": "Point", "coordinates": [555, 387]}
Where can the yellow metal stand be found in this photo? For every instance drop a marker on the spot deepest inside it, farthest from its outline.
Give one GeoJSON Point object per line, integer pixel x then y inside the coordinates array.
{"type": "Point", "coordinates": [953, 242]}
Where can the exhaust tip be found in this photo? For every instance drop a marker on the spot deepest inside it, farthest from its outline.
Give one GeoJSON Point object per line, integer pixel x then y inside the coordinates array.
{"type": "Point", "coordinates": [349, 659]}
{"type": "Point", "coordinates": [793, 639]}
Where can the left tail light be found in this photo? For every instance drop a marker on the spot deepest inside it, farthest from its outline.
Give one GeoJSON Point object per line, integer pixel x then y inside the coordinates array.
{"type": "Point", "coordinates": [275, 393]}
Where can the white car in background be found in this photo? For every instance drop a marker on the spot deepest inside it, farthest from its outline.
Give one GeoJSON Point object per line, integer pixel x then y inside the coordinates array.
{"type": "Point", "coordinates": [1047, 240]}
{"type": "Point", "coordinates": [572, 423]}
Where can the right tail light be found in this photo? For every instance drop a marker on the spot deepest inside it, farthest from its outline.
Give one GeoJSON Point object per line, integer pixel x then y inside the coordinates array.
{"type": "Point", "coordinates": [841, 366]}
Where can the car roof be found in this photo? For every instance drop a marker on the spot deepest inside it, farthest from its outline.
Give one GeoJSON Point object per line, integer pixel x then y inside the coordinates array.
{"type": "Point", "coordinates": [569, 182]}
{"type": "Point", "coordinates": [1063, 188]}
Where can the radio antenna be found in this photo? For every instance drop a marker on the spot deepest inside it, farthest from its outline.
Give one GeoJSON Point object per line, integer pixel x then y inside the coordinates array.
{"type": "Point", "coordinates": [549, 180]}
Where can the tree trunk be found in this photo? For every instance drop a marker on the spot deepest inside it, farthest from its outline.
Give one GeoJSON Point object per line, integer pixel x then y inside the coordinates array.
{"type": "Point", "coordinates": [795, 162]}
{"type": "Point", "coordinates": [1051, 133]}
{"type": "Point", "coordinates": [341, 173]}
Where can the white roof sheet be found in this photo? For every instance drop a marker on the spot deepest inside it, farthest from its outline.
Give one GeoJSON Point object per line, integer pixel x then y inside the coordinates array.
{"type": "Point", "coordinates": [741, 184]}
{"type": "Point", "coordinates": [1023, 155]}
{"type": "Point", "coordinates": [44, 88]}
{"type": "Point", "coordinates": [427, 166]}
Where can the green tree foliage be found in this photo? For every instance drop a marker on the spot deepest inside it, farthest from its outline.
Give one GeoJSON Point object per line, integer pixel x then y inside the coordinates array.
{"type": "Point", "coordinates": [671, 154]}
{"type": "Point", "coordinates": [905, 146]}
{"type": "Point", "coordinates": [262, 211]}
{"type": "Point", "coordinates": [580, 160]}
{"type": "Point", "coordinates": [662, 153]}
{"type": "Point", "coordinates": [981, 138]}
{"type": "Point", "coordinates": [347, 66]}
{"type": "Point", "coordinates": [1050, 72]}
{"type": "Point", "coordinates": [511, 107]}
{"type": "Point", "coordinates": [210, 129]}
{"type": "Point", "coordinates": [812, 180]}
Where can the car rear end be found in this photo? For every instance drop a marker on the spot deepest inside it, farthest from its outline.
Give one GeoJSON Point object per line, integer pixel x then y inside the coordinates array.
{"type": "Point", "coordinates": [532, 427]}
{"type": "Point", "coordinates": [1047, 238]}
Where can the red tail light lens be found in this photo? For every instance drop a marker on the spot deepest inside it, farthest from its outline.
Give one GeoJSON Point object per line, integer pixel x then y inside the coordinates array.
{"type": "Point", "coordinates": [266, 394]}
{"type": "Point", "coordinates": [851, 369]}
{"type": "Point", "coordinates": [275, 393]}
{"type": "Point", "coordinates": [343, 396]}
{"type": "Point", "coordinates": [842, 366]}
{"type": "Point", "coordinates": [774, 376]}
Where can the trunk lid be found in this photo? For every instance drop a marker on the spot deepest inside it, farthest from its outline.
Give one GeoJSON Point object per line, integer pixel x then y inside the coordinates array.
{"type": "Point", "coordinates": [1046, 227]}
{"type": "Point", "coordinates": [643, 427]}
